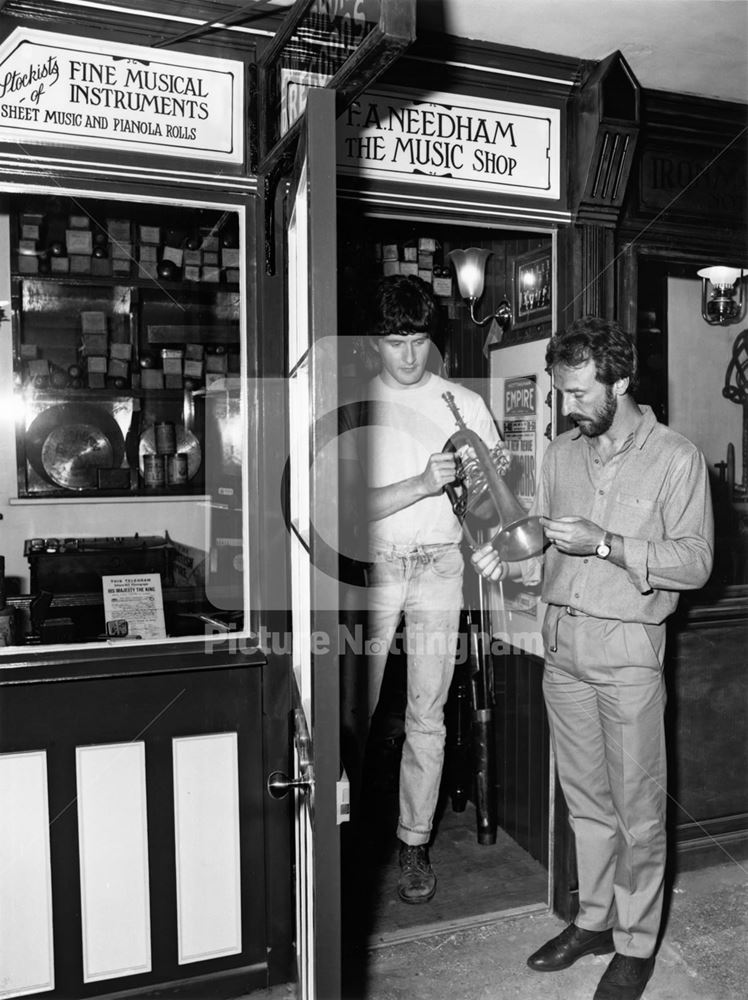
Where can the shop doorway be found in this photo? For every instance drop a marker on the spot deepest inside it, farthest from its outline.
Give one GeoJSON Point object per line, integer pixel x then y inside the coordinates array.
{"type": "Point", "coordinates": [478, 882]}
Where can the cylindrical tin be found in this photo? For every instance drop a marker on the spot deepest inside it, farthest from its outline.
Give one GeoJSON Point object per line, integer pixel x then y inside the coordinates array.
{"type": "Point", "coordinates": [154, 475]}
{"type": "Point", "coordinates": [165, 435]}
{"type": "Point", "coordinates": [176, 469]}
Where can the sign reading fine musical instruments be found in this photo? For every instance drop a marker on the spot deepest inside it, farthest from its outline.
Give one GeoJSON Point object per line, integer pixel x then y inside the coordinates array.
{"type": "Point", "coordinates": [452, 139]}
{"type": "Point", "coordinates": [73, 91]}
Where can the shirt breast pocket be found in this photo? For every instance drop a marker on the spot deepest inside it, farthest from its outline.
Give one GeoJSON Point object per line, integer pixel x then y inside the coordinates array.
{"type": "Point", "coordinates": [637, 517]}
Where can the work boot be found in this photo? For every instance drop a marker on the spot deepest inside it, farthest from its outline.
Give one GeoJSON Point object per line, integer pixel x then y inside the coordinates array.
{"type": "Point", "coordinates": [417, 883]}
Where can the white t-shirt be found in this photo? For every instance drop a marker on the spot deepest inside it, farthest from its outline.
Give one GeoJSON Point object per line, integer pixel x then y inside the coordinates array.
{"type": "Point", "coordinates": [404, 427]}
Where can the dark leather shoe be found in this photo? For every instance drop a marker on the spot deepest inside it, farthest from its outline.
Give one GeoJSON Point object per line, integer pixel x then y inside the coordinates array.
{"type": "Point", "coordinates": [625, 978]}
{"type": "Point", "coordinates": [562, 951]}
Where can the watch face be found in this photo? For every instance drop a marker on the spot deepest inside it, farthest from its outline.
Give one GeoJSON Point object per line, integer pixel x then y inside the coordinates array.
{"type": "Point", "coordinates": [603, 550]}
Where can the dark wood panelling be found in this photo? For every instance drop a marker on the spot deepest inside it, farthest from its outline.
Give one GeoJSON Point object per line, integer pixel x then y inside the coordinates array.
{"type": "Point", "coordinates": [61, 715]}
{"type": "Point", "coordinates": [707, 725]}
{"type": "Point", "coordinates": [522, 751]}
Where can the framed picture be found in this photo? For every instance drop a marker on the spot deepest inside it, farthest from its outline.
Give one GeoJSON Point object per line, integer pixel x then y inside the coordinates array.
{"type": "Point", "coordinates": [533, 287]}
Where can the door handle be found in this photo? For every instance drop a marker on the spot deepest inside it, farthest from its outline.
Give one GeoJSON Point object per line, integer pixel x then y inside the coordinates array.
{"type": "Point", "coordinates": [279, 784]}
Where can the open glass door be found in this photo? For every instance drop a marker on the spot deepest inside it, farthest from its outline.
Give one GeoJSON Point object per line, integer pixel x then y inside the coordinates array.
{"type": "Point", "coordinates": [313, 508]}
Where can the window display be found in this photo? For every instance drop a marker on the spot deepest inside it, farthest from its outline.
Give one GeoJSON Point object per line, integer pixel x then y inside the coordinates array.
{"type": "Point", "coordinates": [121, 326]}
{"type": "Point", "coordinates": [128, 404]}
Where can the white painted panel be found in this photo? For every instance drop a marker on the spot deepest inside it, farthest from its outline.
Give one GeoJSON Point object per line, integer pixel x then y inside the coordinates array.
{"type": "Point", "coordinates": [206, 818]}
{"type": "Point", "coordinates": [697, 360]}
{"type": "Point", "coordinates": [113, 835]}
{"type": "Point", "coordinates": [27, 948]}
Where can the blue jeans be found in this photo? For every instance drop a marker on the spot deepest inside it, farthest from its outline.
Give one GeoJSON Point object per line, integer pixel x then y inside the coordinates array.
{"type": "Point", "coordinates": [425, 584]}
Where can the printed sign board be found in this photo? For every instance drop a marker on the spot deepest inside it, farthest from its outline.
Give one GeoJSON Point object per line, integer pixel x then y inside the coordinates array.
{"type": "Point", "coordinates": [452, 139]}
{"type": "Point", "coordinates": [520, 419]}
{"type": "Point", "coordinates": [74, 91]}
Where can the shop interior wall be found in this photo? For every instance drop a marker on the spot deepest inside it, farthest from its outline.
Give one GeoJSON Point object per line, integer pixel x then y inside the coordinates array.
{"type": "Point", "coordinates": [187, 521]}
{"type": "Point", "coordinates": [698, 356]}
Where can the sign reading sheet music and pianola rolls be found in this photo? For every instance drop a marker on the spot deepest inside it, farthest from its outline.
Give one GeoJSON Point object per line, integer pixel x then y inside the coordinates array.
{"type": "Point", "coordinates": [65, 90]}
{"type": "Point", "coordinates": [451, 139]}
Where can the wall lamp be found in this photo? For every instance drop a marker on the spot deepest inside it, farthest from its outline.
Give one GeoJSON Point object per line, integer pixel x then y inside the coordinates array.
{"type": "Point", "coordinates": [470, 268]}
{"type": "Point", "coordinates": [722, 300]}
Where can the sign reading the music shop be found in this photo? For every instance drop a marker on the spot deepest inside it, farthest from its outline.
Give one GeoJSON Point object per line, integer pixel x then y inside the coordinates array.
{"type": "Point", "coordinates": [452, 139]}
{"type": "Point", "coordinates": [74, 91]}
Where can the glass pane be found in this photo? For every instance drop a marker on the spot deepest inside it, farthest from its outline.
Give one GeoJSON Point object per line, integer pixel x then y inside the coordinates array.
{"type": "Point", "coordinates": [129, 403]}
{"type": "Point", "coordinates": [324, 38]}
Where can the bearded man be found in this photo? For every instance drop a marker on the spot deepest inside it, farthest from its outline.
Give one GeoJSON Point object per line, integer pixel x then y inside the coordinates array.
{"type": "Point", "coordinates": [626, 507]}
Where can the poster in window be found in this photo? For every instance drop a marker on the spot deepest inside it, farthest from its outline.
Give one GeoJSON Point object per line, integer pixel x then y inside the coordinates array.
{"type": "Point", "coordinates": [520, 428]}
{"type": "Point", "coordinates": [520, 436]}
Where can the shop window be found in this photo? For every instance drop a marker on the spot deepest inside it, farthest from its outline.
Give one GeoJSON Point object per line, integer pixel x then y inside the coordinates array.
{"type": "Point", "coordinates": [127, 399]}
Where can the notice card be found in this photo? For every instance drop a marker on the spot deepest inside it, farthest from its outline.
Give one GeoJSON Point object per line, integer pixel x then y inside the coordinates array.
{"type": "Point", "coordinates": [134, 606]}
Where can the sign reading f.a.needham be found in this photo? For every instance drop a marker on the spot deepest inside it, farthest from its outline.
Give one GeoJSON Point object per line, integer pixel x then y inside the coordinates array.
{"type": "Point", "coordinates": [450, 139]}
{"type": "Point", "coordinates": [73, 91]}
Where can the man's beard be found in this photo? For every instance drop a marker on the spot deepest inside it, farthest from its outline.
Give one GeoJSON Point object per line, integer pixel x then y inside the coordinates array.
{"type": "Point", "coordinates": [603, 418]}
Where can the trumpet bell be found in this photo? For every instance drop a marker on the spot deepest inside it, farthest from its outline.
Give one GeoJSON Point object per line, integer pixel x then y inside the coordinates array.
{"type": "Point", "coordinates": [521, 539]}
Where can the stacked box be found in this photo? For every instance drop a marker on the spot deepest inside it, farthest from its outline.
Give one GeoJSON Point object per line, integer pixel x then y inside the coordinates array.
{"type": "Point", "coordinates": [149, 234]}
{"type": "Point", "coordinates": [79, 241]}
{"type": "Point", "coordinates": [173, 254]}
{"type": "Point", "coordinates": [101, 265]}
{"type": "Point", "coordinates": [148, 270]}
{"type": "Point", "coordinates": [31, 223]}
{"type": "Point", "coordinates": [120, 352]}
{"type": "Point", "coordinates": [414, 257]}
{"type": "Point", "coordinates": [147, 252]}
{"type": "Point", "coordinates": [117, 368]}
{"type": "Point", "coordinates": [230, 257]}
{"type": "Point", "coordinates": [38, 367]}
{"type": "Point", "coordinates": [118, 230]}
{"type": "Point", "coordinates": [193, 258]}
{"type": "Point", "coordinates": [217, 363]}
{"type": "Point", "coordinates": [152, 378]}
{"type": "Point", "coordinates": [28, 265]}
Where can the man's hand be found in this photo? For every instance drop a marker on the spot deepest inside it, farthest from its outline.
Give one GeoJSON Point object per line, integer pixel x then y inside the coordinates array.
{"type": "Point", "coordinates": [487, 562]}
{"type": "Point", "coordinates": [440, 470]}
{"type": "Point", "coordinates": [575, 535]}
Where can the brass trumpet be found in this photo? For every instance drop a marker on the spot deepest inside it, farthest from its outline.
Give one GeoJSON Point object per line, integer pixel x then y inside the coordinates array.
{"type": "Point", "coordinates": [480, 493]}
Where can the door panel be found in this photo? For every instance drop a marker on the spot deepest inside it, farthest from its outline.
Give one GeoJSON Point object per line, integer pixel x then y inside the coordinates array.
{"type": "Point", "coordinates": [312, 389]}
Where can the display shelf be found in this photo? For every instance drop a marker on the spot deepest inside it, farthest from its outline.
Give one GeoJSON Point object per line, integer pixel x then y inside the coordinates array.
{"type": "Point", "coordinates": [111, 370]}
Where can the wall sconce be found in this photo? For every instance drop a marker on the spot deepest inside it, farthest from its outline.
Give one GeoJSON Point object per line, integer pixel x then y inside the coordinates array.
{"type": "Point", "coordinates": [470, 268]}
{"type": "Point", "coordinates": [719, 286]}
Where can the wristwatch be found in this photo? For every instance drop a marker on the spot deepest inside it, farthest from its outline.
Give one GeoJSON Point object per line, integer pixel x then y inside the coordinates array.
{"type": "Point", "coordinates": [603, 549]}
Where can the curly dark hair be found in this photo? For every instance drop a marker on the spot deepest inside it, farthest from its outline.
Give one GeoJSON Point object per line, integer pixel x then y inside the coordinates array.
{"type": "Point", "coordinates": [404, 303]}
{"type": "Point", "coordinates": [603, 341]}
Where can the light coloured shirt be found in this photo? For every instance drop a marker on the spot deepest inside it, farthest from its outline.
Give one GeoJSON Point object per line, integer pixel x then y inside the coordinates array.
{"type": "Point", "coordinates": [404, 427]}
{"type": "Point", "coordinates": [654, 492]}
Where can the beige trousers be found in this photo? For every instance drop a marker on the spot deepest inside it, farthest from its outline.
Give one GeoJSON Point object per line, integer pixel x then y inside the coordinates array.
{"type": "Point", "coordinates": [605, 696]}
